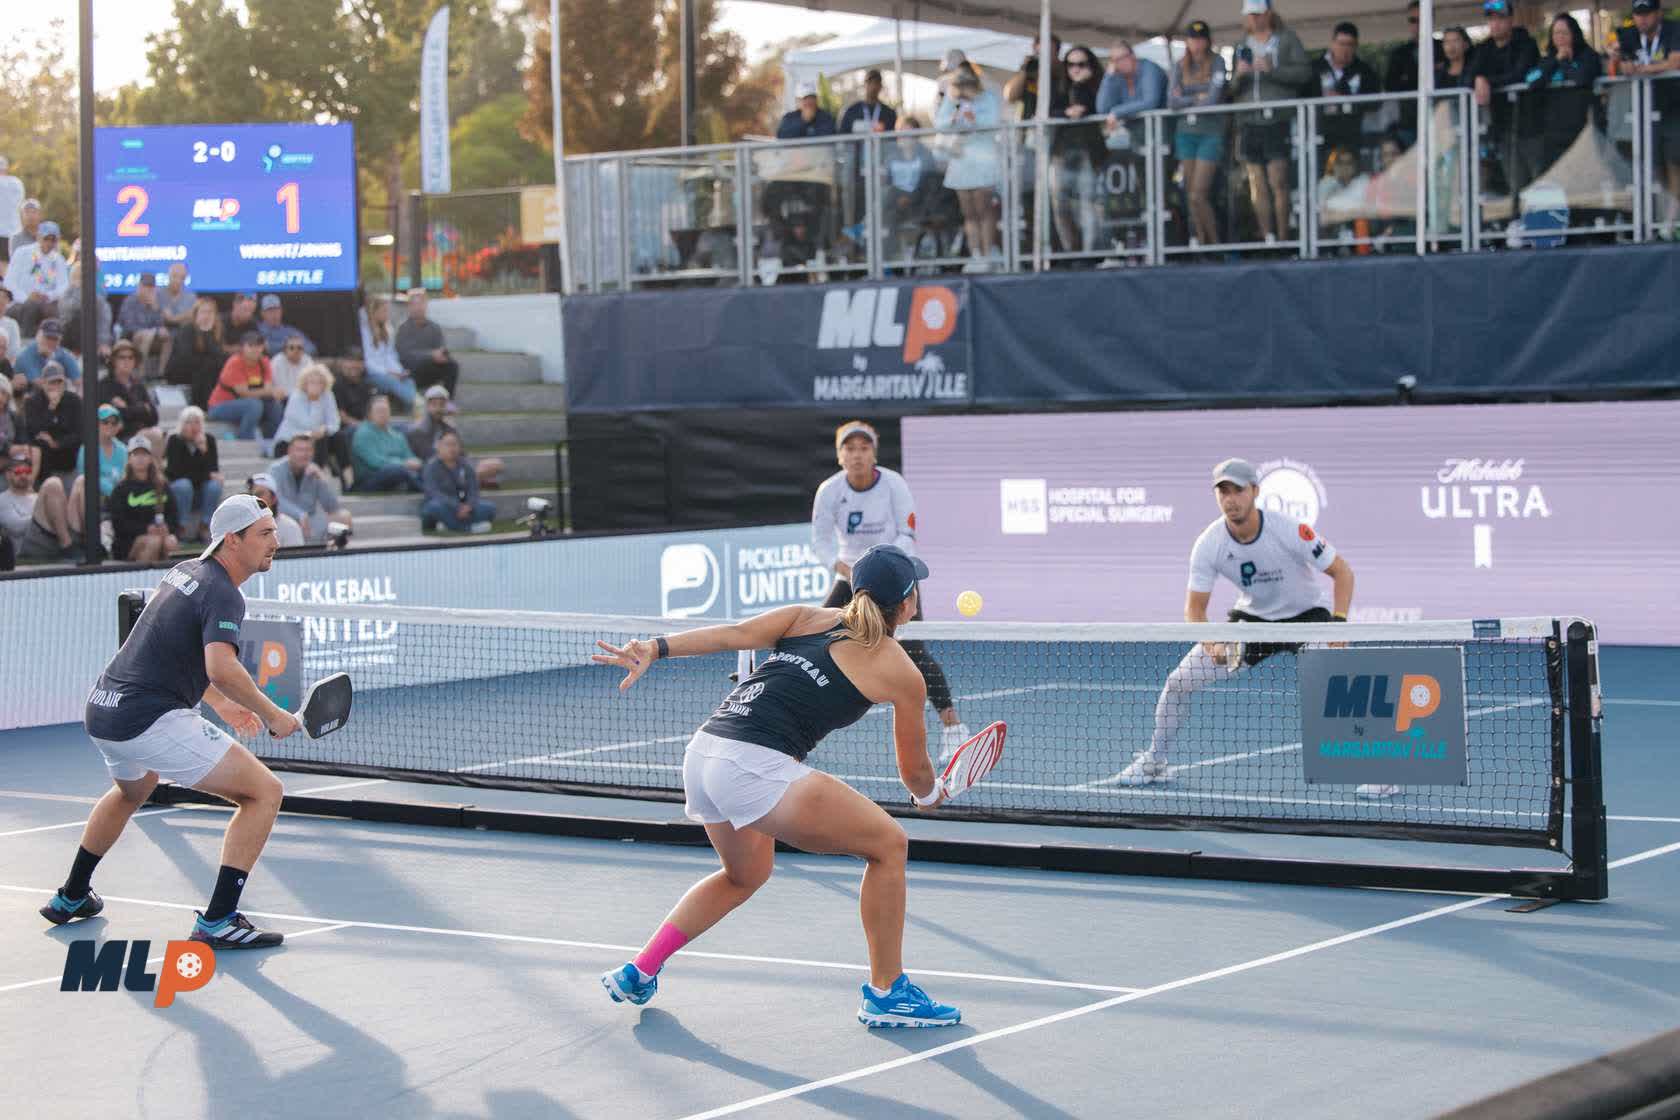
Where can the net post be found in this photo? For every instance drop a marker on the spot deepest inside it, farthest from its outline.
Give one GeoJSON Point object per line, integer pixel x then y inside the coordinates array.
{"type": "Point", "coordinates": [1588, 842]}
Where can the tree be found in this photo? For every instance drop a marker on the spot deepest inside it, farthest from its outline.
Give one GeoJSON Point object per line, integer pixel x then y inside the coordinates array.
{"type": "Point", "coordinates": [42, 143]}
{"type": "Point", "coordinates": [486, 149]}
{"type": "Point", "coordinates": [621, 82]}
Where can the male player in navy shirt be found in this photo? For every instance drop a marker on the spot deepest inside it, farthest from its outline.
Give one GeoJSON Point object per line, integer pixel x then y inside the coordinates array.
{"type": "Point", "coordinates": [143, 717]}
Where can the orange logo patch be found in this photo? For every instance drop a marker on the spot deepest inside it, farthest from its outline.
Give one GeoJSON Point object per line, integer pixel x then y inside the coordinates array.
{"type": "Point", "coordinates": [912, 522]}
{"type": "Point", "coordinates": [1306, 531]}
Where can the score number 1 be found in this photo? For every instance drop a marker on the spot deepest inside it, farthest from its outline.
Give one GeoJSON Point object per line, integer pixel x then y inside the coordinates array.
{"type": "Point", "coordinates": [137, 200]}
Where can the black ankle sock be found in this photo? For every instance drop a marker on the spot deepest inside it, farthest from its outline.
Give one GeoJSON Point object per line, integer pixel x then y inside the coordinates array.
{"type": "Point", "coordinates": [229, 882]}
{"type": "Point", "coordinates": [76, 887]}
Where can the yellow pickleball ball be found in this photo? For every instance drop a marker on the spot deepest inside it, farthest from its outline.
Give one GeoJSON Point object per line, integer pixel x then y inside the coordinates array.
{"type": "Point", "coordinates": [969, 603]}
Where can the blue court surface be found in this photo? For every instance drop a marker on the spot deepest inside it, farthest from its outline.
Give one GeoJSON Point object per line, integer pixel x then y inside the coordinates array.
{"type": "Point", "coordinates": [451, 973]}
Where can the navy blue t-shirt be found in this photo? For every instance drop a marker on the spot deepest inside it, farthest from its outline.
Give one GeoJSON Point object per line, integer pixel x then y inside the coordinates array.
{"type": "Point", "coordinates": [796, 696]}
{"type": "Point", "coordinates": [161, 665]}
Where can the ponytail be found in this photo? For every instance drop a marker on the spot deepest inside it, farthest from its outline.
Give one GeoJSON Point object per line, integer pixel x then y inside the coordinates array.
{"type": "Point", "coordinates": [863, 621]}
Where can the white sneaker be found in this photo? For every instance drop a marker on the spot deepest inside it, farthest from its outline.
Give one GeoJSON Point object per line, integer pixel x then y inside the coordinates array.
{"type": "Point", "coordinates": [1370, 790]}
{"type": "Point", "coordinates": [950, 738]}
{"type": "Point", "coordinates": [481, 527]}
{"type": "Point", "coordinates": [1145, 769]}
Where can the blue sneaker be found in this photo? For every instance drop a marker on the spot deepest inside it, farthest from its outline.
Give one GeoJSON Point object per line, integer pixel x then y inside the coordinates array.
{"type": "Point", "coordinates": [625, 985]}
{"type": "Point", "coordinates": [61, 909]}
{"type": "Point", "coordinates": [905, 1005]}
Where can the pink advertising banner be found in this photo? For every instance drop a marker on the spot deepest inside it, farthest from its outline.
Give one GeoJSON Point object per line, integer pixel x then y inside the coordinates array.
{"type": "Point", "coordinates": [1473, 511]}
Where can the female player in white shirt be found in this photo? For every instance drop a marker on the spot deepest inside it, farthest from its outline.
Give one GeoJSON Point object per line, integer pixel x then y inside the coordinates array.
{"type": "Point", "coordinates": [1275, 561]}
{"type": "Point", "coordinates": [860, 506]}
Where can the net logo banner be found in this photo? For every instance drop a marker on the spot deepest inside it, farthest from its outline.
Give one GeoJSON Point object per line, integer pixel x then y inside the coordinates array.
{"type": "Point", "coordinates": [272, 652]}
{"type": "Point", "coordinates": [98, 966]}
{"type": "Point", "coordinates": [1385, 716]}
{"type": "Point", "coordinates": [1461, 511]}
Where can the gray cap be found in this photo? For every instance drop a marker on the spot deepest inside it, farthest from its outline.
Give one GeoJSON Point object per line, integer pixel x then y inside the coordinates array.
{"type": "Point", "coordinates": [234, 515]}
{"type": "Point", "coordinates": [1239, 471]}
{"type": "Point", "coordinates": [436, 391]}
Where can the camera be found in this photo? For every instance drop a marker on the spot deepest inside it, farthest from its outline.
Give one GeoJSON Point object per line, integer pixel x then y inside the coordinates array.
{"type": "Point", "coordinates": [338, 536]}
{"type": "Point", "coordinates": [537, 519]}
{"type": "Point", "coordinates": [1245, 54]}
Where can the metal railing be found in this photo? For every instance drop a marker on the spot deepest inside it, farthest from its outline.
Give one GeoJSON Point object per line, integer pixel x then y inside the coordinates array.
{"type": "Point", "coordinates": [1303, 178]}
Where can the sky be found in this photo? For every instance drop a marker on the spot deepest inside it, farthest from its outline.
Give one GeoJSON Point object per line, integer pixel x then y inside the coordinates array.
{"type": "Point", "coordinates": [121, 27]}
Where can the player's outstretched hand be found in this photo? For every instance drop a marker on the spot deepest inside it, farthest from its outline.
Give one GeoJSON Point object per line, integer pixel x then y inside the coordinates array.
{"type": "Point", "coordinates": [634, 657]}
{"type": "Point", "coordinates": [284, 725]}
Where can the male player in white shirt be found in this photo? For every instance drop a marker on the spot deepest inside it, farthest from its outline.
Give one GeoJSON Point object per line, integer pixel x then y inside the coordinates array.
{"type": "Point", "coordinates": [861, 506]}
{"type": "Point", "coordinates": [1275, 561]}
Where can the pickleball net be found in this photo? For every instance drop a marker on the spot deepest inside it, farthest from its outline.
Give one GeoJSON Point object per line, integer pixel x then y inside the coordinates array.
{"type": "Point", "coordinates": [510, 699]}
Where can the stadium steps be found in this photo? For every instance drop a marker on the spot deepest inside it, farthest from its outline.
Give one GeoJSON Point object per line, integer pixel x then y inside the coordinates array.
{"type": "Point", "coordinates": [507, 412]}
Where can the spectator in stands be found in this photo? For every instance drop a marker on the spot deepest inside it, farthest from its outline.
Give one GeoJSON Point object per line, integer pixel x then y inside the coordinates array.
{"type": "Point", "coordinates": [1503, 59]}
{"type": "Point", "coordinates": [421, 349]}
{"type": "Point", "coordinates": [1341, 191]}
{"type": "Point", "coordinates": [1456, 56]}
{"type": "Point", "coordinates": [38, 276]}
{"type": "Point", "coordinates": [808, 120]}
{"type": "Point", "coordinates": [1075, 152]}
{"type": "Point", "coordinates": [289, 532]}
{"type": "Point", "coordinates": [1131, 86]}
{"type": "Point", "coordinates": [1272, 65]}
{"type": "Point", "coordinates": [11, 420]}
{"type": "Point", "coordinates": [52, 415]}
{"type": "Point", "coordinates": [1340, 72]}
{"type": "Point", "coordinates": [383, 460]}
{"type": "Point", "coordinates": [275, 332]}
{"type": "Point", "coordinates": [870, 114]}
{"type": "Point", "coordinates": [245, 394]}
{"type": "Point", "coordinates": [385, 368]}
{"type": "Point", "coordinates": [9, 326]}
{"type": "Point", "coordinates": [241, 317]}
{"type": "Point", "coordinates": [919, 211]}
{"type": "Point", "coordinates": [972, 170]}
{"type": "Point", "coordinates": [123, 390]}
{"type": "Point", "coordinates": [29, 214]}
{"type": "Point", "coordinates": [113, 454]}
{"type": "Point", "coordinates": [1566, 75]}
{"type": "Point", "coordinates": [37, 523]}
{"type": "Point", "coordinates": [7, 370]}
{"type": "Point", "coordinates": [11, 207]}
{"type": "Point", "coordinates": [194, 470]}
{"type": "Point", "coordinates": [1649, 46]}
{"type": "Point", "coordinates": [310, 409]}
{"type": "Point", "coordinates": [451, 487]}
{"type": "Point", "coordinates": [1022, 88]}
{"type": "Point", "coordinates": [304, 491]}
{"type": "Point", "coordinates": [1400, 73]}
{"type": "Point", "coordinates": [289, 364]}
{"type": "Point", "coordinates": [176, 300]}
{"type": "Point", "coordinates": [47, 347]}
{"type": "Point", "coordinates": [197, 355]}
{"type": "Point", "coordinates": [1199, 80]}
{"type": "Point", "coordinates": [75, 322]}
{"type": "Point", "coordinates": [423, 436]}
{"type": "Point", "coordinates": [145, 521]}
{"type": "Point", "coordinates": [142, 319]}
{"type": "Point", "coordinates": [353, 393]}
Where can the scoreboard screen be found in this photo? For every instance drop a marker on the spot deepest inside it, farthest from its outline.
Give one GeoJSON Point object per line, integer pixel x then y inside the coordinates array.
{"type": "Point", "coordinates": [247, 207]}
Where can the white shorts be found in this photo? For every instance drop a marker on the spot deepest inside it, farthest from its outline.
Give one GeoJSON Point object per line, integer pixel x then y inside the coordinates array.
{"type": "Point", "coordinates": [726, 780]}
{"type": "Point", "coordinates": [181, 746]}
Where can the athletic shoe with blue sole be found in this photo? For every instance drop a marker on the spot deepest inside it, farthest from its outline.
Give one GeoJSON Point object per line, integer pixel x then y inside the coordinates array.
{"type": "Point", "coordinates": [625, 985]}
{"type": "Point", "coordinates": [905, 1005]}
{"type": "Point", "coordinates": [61, 909]}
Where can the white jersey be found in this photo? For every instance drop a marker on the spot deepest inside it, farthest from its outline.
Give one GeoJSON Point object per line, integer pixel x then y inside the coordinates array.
{"type": "Point", "coordinates": [846, 523]}
{"type": "Point", "coordinates": [1277, 571]}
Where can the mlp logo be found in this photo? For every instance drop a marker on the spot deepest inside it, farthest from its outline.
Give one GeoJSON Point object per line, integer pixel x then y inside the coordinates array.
{"type": "Point", "coordinates": [215, 213]}
{"type": "Point", "coordinates": [272, 652]}
{"type": "Point", "coordinates": [90, 966]}
{"type": "Point", "coordinates": [867, 319]}
{"type": "Point", "coordinates": [1385, 716]}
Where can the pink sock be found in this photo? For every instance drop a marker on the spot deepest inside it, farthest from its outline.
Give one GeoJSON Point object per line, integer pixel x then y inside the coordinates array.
{"type": "Point", "coordinates": [667, 941]}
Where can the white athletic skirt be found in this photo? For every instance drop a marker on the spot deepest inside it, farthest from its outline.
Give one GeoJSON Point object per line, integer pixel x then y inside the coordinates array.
{"type": "Point", "coordinates": [182, 746]}
{"type": "Point", "coordinates": [727, 780]}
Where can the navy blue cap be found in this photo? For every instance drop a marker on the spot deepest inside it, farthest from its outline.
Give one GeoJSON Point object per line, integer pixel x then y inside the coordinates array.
{"type": "Point", "coordinates": [888, 573]}
{"type": "Point", "coordinates": [1497, 7]}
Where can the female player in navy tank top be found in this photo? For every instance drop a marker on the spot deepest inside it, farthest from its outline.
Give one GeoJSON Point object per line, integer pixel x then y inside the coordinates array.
{"type": "Point", "coordinates": [745, 777]}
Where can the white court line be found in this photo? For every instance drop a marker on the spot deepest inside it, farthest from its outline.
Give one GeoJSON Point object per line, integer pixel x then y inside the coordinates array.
{"type": "Point", "coordinates": [29, 796]}
{"type": "Point", "coordinates": [158, 959]}
{"type": "Point", "coordinates": [1131, 997]}
{"type": "Point", "coordinates": [174, 809]}
{"type": "Point", "coordinates": [526, 939]}
{"type": "Point", "coordinates": [1645, 703]}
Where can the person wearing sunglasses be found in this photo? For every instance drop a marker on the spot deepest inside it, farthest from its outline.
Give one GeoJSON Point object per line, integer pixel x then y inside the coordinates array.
{"type": "Point", "coordinates": [1075, 150]}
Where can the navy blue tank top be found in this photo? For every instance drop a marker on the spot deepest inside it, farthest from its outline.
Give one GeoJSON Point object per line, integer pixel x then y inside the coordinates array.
{"type": "Point", "coordinates": [796, 696]}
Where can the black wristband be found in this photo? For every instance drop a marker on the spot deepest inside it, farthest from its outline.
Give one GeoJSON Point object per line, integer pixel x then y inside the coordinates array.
{"type": "Point", "coordinates": [664, 647]}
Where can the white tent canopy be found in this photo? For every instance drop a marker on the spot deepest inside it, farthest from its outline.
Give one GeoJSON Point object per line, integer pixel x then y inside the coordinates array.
{"type": "Point", "coordinates": [1097, 21]}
